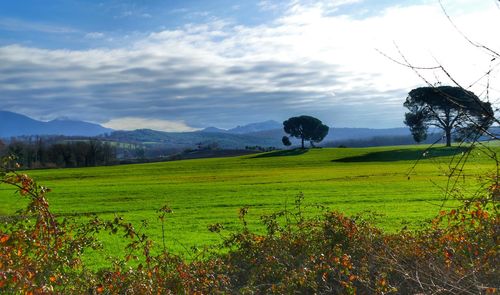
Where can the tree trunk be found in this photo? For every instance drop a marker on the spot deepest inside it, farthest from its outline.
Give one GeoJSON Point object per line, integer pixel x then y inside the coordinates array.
{"type": "Point", "coordinates": [302, 142]}
{"type": "Point", "coordinates": [448, 136]}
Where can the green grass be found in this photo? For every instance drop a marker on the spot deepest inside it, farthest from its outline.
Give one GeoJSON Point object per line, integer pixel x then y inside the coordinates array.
{"type": "Point", "coordinates": [206, 191]}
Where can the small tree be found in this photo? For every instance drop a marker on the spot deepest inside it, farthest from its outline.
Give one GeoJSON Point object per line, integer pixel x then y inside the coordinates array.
{"type": "Point", "coordinates": [306, 128]}
{"type": "Point", "coordinates": [448, 108]}
{"type": "Point", "coordinates": [286, 141]}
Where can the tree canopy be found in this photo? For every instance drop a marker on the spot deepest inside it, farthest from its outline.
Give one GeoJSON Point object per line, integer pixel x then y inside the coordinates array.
{"type": "Point", "coordinates": [286, 141]}
{"type": "Point", "coordinates": [452, 109]}
{"type": "Point", "coordinates": [306, 128]}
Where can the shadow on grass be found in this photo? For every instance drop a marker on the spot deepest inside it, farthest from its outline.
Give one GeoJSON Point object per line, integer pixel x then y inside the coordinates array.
{"type": "Point", "coordinates": [283, 153]}
{"type": "Point", "coordinates": [404, 155]}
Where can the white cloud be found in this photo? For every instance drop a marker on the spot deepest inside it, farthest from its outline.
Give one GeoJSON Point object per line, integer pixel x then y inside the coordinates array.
{"type": "Point", "coordinates": [220, 73]}
{"type": "Point", "coordinates": [129, 123]}
{"type": "Point", "coordinates": [94, 35]}
{"type": "Point", "coordinates": [268, 5]}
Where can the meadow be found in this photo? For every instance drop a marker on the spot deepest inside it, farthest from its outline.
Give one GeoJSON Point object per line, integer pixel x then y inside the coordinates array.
{"type": "Point", "coordinates": [383, 180]}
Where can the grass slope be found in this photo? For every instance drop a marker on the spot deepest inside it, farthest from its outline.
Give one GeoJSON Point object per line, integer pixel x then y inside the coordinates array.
{"type": "Point", "coordinates": [206, 191]}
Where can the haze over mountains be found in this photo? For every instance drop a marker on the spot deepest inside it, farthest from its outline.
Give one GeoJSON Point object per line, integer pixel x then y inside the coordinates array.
{"type": "Point", "coordinates": [249, 128]}
{"type": "Point", "coordinates": [265, 134]}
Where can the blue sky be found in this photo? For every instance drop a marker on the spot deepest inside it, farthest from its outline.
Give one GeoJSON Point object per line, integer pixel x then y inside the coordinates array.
{"type": "Point", "coordinates": [63, 23]}
{"type": "Point", "coordinates": [184, 65]}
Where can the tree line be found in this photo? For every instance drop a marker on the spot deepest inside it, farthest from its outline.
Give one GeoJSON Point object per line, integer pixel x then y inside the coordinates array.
{"type": "Point", "coordinates": [37, 152]}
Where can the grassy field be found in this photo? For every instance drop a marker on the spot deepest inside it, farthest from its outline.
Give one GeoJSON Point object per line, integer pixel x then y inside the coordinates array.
{"type": "Point", "coordinates": [206, 191]}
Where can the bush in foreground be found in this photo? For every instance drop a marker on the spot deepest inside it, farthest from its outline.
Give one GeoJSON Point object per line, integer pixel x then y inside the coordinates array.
{"type": "Point", "coordinates": [457, 253]}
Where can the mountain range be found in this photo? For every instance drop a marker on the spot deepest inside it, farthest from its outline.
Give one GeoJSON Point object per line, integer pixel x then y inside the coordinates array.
{"type": "Point", "coordinates": [13, 124]}
{"type": "Point", "coordinates": [229, 139]}
{"type": "Point", "coordinates": [249, 128]}
{"type": "Point", "coordinates": [264, 134]}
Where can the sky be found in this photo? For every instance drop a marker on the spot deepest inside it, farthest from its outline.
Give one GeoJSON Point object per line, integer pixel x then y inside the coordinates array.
{"type": "Point", "coordinates": [185, 65]}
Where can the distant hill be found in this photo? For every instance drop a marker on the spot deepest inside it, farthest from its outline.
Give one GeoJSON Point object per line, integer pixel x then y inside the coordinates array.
{"type": "Point", "coordinates": [264, 134]}
{"type": "Point", "coordinates": [192, 139]}
{"type": "Point", "coordinates": [249, 128]}
{"type": "Point", "coordinates": [256, 127]}
{"type": "Point", "coordinates": [338, 134]}
{"type": "Point", "coordinates": [13, 124]}
{"type": "Point", "coordinates": [214, 130]}
{"type": "Point", "coordinates": [265, 138]}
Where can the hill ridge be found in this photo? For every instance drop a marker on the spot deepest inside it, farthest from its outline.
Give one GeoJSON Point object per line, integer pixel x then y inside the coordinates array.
{"type": "Point", "coordinates": [14, 124]}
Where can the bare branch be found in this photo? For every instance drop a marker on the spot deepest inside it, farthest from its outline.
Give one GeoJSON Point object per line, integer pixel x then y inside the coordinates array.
{"type": "Point", "coordinates": [490, 51]}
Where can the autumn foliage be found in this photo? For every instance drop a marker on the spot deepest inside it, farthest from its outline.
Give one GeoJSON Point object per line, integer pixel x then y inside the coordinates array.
{"type": "Point", "coordinates": [457, 253]}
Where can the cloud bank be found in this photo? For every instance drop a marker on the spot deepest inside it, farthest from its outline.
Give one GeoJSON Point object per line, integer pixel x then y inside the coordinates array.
{"type": "Point", "coordinates": [314, 58]}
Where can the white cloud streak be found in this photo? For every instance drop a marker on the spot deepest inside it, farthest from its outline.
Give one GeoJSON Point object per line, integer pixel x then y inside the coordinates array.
{"type": "Point", "coordinates": [94, 35]}
{"type": "Point", "coordinates": [130, 123]}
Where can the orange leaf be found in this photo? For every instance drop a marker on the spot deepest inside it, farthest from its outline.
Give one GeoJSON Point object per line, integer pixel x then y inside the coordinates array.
{"type": "Point", "coordinates": [383, 282]}
{"type": "Point", "coordinates": [324, 277]}
{"type": "Point", "coordinates": [4, 238]}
